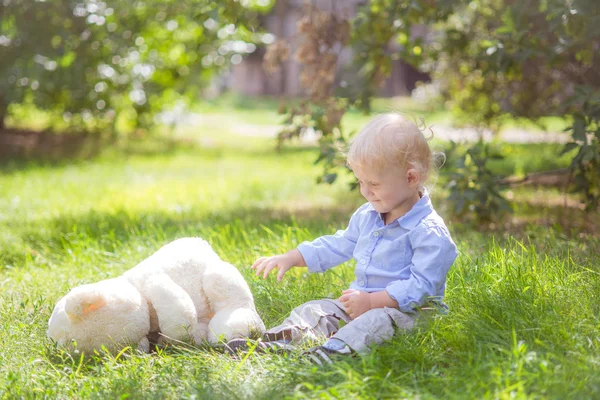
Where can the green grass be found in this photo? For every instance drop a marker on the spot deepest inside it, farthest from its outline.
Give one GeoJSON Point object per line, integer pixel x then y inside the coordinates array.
{"type": "Point", "coordinates": [524, 307]}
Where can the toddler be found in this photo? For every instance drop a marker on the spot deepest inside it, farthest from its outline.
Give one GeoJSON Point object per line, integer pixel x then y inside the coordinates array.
{"type": "Point", "coordinates": [402, 248]}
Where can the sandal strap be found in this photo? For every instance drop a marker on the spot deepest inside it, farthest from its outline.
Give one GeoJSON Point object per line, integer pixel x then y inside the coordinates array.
{"type": "Point", "coordinates": [318, 356]}
{"type": "Point", "coordinates": [236, 346]}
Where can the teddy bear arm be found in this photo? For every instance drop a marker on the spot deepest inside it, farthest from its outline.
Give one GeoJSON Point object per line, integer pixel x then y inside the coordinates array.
{"type": "Point", "coordinates": [235, 323]}
{"type": "Point", "coordinates": [225, 288]}
{"type": "Point", "coordinates": [144, 345]}
{"type": "Point", "coordinates": [175, 310]}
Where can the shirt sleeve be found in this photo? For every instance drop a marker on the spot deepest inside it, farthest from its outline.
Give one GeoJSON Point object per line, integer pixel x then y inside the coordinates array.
{"type": "Point", "coordinates": [434, 253]}
{"type": "Point", "coordinates": [328, 251]}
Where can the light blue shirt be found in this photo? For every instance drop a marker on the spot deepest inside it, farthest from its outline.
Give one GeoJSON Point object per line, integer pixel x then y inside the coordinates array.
{"type": "Point", "coordinates": [409, 258]}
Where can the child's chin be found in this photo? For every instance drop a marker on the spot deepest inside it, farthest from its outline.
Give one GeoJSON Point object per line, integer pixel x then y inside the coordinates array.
{"type": "Point", "coordinates": [378, 207]}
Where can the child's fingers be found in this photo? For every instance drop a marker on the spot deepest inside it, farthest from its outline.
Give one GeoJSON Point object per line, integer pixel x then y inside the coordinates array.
{"type": "Point", "coordinates": [268, 268]}
{"type": "Point", "coordinates": [260, 267]}
{"type": "Point", "coordinates": [258, 262]}
{"type": "Point", "coordinates": [347, 293]}
{"type": "Point", "coordinates": [281, 273]}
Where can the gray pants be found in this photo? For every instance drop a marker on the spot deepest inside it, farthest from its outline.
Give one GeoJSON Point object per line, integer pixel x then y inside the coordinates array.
{"type": "Point", "coordinates": [319, 319]}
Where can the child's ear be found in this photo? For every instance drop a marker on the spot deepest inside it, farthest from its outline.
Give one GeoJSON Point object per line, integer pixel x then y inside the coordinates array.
{"type": "Point", "coordinates": [82, 303]}
{"type": "Point", "coordinates": [412, 177]}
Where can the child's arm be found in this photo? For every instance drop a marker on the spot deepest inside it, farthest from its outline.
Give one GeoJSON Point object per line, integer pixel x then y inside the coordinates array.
{"type": "Point", "coordinates": [319, 255]}
{"type": "Point", "coordinates": [434, 253]}
{"type": "Point", "coordinates": [283, 262]}
{"type": "Point", "coordinates": [358, 302]}
{"type": "Point", "coordinates": [328, 251]}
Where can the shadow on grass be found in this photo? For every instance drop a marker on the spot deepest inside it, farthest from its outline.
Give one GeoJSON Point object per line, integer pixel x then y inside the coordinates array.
{"type": "Point", "coordinates": [529, 220]}
{"type": "Point", "coordinates": [21, 150]}
{"type": "Point", "coordinates": [539, 226]}
{"type": "Point", "coordinates": [20, 147]}
{"type": "Point", "coordinates": [110, 231]}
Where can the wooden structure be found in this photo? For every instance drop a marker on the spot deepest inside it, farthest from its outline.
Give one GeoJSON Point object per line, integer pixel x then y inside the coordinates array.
{"type": "Point", "coordinates": [250, 78]}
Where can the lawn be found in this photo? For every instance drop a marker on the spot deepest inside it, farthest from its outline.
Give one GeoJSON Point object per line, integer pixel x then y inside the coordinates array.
{"type": "Point", "coordinates": [524, 300]}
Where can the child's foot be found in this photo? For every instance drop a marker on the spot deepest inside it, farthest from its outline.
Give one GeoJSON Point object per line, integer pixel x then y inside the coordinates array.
{"type": "Point", "coordinates": [321, 355]}
{"type": "Point", "coordinates": [236, 346]}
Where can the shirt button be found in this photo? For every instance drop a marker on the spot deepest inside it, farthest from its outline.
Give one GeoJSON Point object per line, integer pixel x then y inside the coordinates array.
{"type": "Point", "coordinates": [413, 304]}
{"type": "Point", "coordinates": [363, 261]}
{"type": "Point", "coordinates": [376, 234]}
{"type": "Point", "coordinates": [361, 283]}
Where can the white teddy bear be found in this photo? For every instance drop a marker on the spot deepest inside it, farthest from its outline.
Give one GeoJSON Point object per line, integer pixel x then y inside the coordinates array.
{"type": "Point", "coordinates": [182, 290]}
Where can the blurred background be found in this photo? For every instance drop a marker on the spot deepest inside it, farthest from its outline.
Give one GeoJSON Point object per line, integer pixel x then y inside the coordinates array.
{"type": "Point", "coordinates": [510, 90]}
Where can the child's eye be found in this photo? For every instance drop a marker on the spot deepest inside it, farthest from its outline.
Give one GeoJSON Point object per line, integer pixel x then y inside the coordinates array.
{"type": "Point", "coordinates": [374, 184]}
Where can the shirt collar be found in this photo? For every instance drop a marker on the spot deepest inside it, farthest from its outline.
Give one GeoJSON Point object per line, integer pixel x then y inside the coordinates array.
{"type": "Point", "coordinates": [420, 210]}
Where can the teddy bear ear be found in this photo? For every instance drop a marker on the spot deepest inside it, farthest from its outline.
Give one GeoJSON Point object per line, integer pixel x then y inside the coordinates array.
{"type": "Point", "coordinates": [82, 303]}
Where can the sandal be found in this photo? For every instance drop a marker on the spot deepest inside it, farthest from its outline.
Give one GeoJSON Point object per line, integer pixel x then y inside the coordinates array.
{"type": "Point", "coordinates": [242, 345]}
{"type": "Point", "coordinates": [322, 355]}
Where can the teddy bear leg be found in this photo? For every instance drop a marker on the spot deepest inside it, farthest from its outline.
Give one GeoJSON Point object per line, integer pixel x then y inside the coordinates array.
{"type": "Point", "coordinates": [199, 332]}
{"type": "Point", "coordinates": [177, 317]}
{"type": "Point", "coordinates": [234, 323]}
{"type": "Point", "coordinates": [231, 299]}
{"type": "Point", "coordinates": [144, 345]}
{"type": "Point", "coordinates": [225, 288]}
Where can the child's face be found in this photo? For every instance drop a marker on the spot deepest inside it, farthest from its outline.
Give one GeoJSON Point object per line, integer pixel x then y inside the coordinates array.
{"type": "Point", "coordinates": [392, 191]}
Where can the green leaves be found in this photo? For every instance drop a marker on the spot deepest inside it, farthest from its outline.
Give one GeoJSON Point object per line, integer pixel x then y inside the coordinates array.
{"type": "Point", "coordinates": [495, 61]}
{"type": "Point", "coordinates": [111, 62]}
{"type": "Point", "coordinates": [474, 189]}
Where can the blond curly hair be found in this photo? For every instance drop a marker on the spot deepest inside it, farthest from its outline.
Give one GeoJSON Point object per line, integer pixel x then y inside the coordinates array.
{"type": "Point", "coordinates": [390, 139]}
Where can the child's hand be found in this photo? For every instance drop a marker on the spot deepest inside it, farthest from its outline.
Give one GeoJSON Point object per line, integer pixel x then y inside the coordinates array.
{"type": "Point", "coordinates": [283, 262]}
{"type": "Point", "coordinates": [356, 302]}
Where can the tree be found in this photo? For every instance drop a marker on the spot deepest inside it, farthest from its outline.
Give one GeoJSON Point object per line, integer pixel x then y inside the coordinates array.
{"type": "Point", "coordinates": [93, 62]}
{"type": "Point", "coordinates": [495, 59]}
